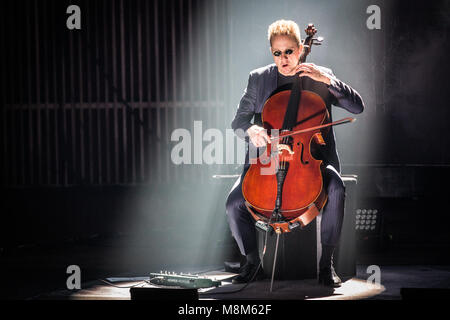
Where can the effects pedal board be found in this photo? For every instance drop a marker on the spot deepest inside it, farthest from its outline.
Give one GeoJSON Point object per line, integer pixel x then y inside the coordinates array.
{"type": "Point", "coordinates": [182, 280]}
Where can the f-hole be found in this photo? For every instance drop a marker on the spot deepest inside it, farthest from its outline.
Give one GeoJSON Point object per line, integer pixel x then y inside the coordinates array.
{"type": "Point", "coordinates": [301, 153]}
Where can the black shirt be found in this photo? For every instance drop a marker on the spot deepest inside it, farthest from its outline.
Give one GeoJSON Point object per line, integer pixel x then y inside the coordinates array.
{"type": "Point", "coordinates": [282, 80]}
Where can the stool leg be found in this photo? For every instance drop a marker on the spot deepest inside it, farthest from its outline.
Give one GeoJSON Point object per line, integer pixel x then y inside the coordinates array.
{"type": "Point", "coordinates": [275, 258]}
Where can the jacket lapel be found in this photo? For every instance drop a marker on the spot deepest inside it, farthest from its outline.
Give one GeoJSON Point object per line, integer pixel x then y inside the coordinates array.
{"type": "Point", "coordinates": [273, 79]}
{"type": "Point", "coordinates": [270, 84]}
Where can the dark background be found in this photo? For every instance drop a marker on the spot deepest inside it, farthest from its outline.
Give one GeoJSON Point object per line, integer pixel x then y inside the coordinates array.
{"type": "Point", "coordinates": [87, 115]}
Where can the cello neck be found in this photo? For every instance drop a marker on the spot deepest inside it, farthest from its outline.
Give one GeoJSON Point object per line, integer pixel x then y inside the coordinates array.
{"type": "Point", "coordinates": [309, 42]}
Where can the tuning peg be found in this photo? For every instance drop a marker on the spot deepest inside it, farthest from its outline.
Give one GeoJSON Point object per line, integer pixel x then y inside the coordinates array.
{"type": "Point", "coordinates": [317, 41]}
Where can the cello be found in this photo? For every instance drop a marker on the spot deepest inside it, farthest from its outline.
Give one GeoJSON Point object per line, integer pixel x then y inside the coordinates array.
{"type": "Point", "coordinates": [283, 187]}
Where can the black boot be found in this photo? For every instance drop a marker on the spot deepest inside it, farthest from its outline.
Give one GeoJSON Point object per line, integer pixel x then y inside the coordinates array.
{"type": "Point", "coordinates": [327, 275]}
{"type": "Point", "coordinates": [247, 272]}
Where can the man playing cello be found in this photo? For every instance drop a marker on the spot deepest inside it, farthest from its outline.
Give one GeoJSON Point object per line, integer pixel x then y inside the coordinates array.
{"type": "Point", "coordinates": [286, 48]}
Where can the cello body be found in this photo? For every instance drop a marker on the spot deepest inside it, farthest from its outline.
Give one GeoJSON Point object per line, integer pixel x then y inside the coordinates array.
{"type": "Point", "coordinates": [284, 185]}
{"type": "Point", "coordinates": [302, 186]}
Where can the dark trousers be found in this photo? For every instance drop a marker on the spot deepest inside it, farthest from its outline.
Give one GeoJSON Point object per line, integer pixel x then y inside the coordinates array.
{"type": "Point", "coordinates": [242, 224]}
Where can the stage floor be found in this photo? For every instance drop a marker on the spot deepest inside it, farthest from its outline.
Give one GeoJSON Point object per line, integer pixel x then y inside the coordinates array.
{"type": "Point", "coordinates": [40, 273]}
{"type": "Point", "coordinates": [393, 278]}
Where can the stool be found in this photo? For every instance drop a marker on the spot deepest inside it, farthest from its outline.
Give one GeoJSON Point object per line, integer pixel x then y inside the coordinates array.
{"type": "Point", "coordinates": [299, 251]}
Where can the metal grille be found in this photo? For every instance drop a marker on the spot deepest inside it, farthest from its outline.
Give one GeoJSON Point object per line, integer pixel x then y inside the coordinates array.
{"type": "Point", "coordinates": [98, 105]}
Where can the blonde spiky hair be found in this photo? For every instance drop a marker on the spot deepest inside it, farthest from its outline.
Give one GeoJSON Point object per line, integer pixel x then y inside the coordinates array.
{"type": "Point", "coordinates": [284, 28]}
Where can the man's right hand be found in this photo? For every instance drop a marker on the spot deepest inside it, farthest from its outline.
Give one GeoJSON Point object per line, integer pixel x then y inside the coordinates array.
{"type": "Point", "coordinates": [258, 136]}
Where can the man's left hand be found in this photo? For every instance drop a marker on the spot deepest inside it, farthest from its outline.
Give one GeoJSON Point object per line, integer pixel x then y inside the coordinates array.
{"type": "Point", "coordinates": [312, 71]}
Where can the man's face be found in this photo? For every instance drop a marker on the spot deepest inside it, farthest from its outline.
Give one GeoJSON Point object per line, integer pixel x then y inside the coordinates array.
{"type": "Point", "coordinates": [285, 54]}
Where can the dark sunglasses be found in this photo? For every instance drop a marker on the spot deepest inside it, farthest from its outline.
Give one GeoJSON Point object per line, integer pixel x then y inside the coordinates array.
{"type": "Point", "coordinates": [287, 52]}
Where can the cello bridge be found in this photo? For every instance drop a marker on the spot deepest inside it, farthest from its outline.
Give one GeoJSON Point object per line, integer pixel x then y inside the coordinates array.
{"type": "Point", "coordinates": [282, 147]}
